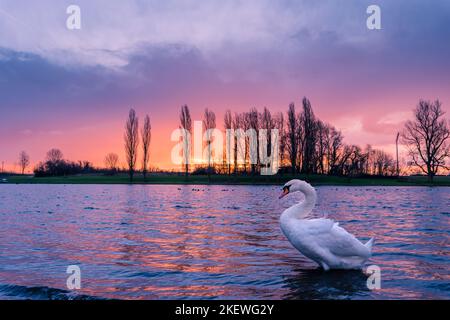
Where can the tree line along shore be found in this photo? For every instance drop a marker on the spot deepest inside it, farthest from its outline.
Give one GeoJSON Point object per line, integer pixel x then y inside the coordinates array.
{"type": "Point", "coordinates": [307, 147]}
{"type": "Point", "coordinates": [279, 179]}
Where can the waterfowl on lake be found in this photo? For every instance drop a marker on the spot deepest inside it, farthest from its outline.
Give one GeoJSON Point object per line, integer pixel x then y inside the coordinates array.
{"type": "Point", "coordinates": [321, 240]}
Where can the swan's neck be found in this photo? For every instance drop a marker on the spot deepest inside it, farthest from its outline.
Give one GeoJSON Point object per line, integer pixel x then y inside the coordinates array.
{"type": "Point", "coordinates": [303, 209]}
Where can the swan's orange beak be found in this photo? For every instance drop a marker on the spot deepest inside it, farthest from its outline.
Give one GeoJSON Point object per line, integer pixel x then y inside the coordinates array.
{"type": "Point", "coordinates": [284, 193]}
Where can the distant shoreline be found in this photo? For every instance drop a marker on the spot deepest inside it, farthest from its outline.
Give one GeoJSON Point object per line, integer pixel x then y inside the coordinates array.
{"type": "Point", "coordinates": [175, 179]}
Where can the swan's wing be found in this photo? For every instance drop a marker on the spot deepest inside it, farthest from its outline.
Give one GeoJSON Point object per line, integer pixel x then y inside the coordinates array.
{"type": "Point", "coordinates": [346, 244]}
{"type": "Point", "coordinates": [328, 234]}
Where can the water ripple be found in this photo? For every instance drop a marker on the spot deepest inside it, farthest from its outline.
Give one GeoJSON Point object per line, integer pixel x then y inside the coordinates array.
{"type": "Point", "coordinates": [213, 242]}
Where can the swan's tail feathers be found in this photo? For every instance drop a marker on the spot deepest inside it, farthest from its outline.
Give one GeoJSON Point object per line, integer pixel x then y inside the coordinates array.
{"type": "Point", "coordinates": [369, 244]}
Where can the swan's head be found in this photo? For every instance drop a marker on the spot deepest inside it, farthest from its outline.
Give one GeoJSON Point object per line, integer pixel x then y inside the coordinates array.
{"type": "Point", "coordinates": [295, 185]}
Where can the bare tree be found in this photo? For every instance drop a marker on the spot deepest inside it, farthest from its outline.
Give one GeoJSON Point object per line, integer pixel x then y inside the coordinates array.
{"type": "Point", "coordinates": [245, 123]}
{"type": "Point", "coordinates": [24, 161]}
{"type": "Point", "coordinates": [322, 132]}
{"type": "Point", "coordinates": [267, 122]}
{"type": "Point", "coordinates": [383, 163]}
{"type": "Point", "coordinates": [352, 160]}
{"type": "Point", "coordinates": [146, 135]}
{"type": "Point", "coordinates": [292, 136]}
{"type": "Point", "coordinates": [209, 123]}
{"type": "Point", "coordinates": [186, 124]}
{"type": "Point", "coordinates": [236, 125]}
{"type": "Point", "coordinates": [111, 161]}
{"type": "Point", "coordinates": [131, 138]}
{"type": "Point", "coordinates": [345, 161]}
{"type": "Point", "coordinates": [54, 155]}
{"type": "Point", "coordinates": [227, 122]}
{"type": "Point", "coordinates": [335, 151]}
{"type": "Point", "coordinates": [369, 159]}
{"type": "Point", "coordinates": [308, 123]}
{"type": "Point", "coordinates": [279, 124]}
{"type": "Point", "coordinates": [253, 119]}
{"type": "Point", "coordinates": [426, 138]}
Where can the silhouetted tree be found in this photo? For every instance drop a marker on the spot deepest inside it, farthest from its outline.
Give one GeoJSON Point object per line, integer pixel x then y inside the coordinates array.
{"type": "Point", "coordinates": [369, 159]}
{"type": "Point", "coordinates": [55, 165]}
{"type": "Point", "coordinates": [24, 161]}
{"type": "Point", "coordinates": [146, 135]}
{"type": "Point", "coordinates": [322, 132]}
{"type": "Point", "coordinates": [354, 160]}
{"type": "Point", "coordinates": [292, 133]}
{"type": "Point", "coordinates": [131, 138]}
{"type": "Point", "coordinates": [186, 124]}
{"type": "Point", "coordinates": [54, 155]}
{"type": "Point", "coordinates": [343, 165]}
{"type": "Point", "coordinates": [335, 150]}
{"type": "Point", "coordinates": [209, 123]}
{"type": "Point", "coordinates": [267, 122]}
{"type": "Point", "coordinates": [279, 124]}
{"type": "Point", "coordinates": [308, 123]}
{"type": "Point", "coordinates": [236, 125]}
{"type": "Point", "coordinates": [245, 123]}
{"type": "Point", "coordinates": [111, 162]}
{"type": "Point", "coordinates": [227, 122]}
{"type": "Point", "coordinates": [384, 164]}
{"type": "Point", "coordinates": [426, 138]}
{"type": "Point", "coordinates": [254, 124]}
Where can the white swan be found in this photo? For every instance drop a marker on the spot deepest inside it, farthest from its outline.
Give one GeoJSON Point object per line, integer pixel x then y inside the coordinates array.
{"type": "Point", "coordinates": [321, 240]}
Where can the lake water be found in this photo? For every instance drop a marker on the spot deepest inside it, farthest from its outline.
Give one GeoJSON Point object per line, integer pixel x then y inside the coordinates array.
{"type": "Point", "coordinates": [214, 242]}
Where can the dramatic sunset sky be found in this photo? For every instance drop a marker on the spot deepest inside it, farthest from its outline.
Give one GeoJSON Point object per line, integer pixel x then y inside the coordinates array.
{"type": "Point", "coordinates": [72, 89]}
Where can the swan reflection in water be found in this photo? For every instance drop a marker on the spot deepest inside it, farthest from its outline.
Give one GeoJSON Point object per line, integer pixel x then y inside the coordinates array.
{"type": "Point", "coordinates": [319, 284]}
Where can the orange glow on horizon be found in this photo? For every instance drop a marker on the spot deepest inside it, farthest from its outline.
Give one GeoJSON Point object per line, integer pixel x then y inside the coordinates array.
{"type": "Point", "coordinates": [92, 141]}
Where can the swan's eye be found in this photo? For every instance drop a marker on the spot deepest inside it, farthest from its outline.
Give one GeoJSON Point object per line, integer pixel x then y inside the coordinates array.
{"type": "Point", "coordinates": [286, 188]}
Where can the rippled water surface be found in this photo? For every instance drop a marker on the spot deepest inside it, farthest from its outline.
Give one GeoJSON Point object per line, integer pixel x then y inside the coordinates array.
{"type": "Point", "coordinates": [215, 242]}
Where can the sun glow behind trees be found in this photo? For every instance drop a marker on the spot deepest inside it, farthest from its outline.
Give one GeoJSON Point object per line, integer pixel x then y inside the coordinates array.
{"type": "Point", "coordinates": [305, 144]}
{"type": "Point", "coordinates": [247, 144]}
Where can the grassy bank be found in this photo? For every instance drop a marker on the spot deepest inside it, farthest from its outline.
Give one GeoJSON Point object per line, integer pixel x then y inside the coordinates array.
{"type": "Point", "coordinates": [224, 179]}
